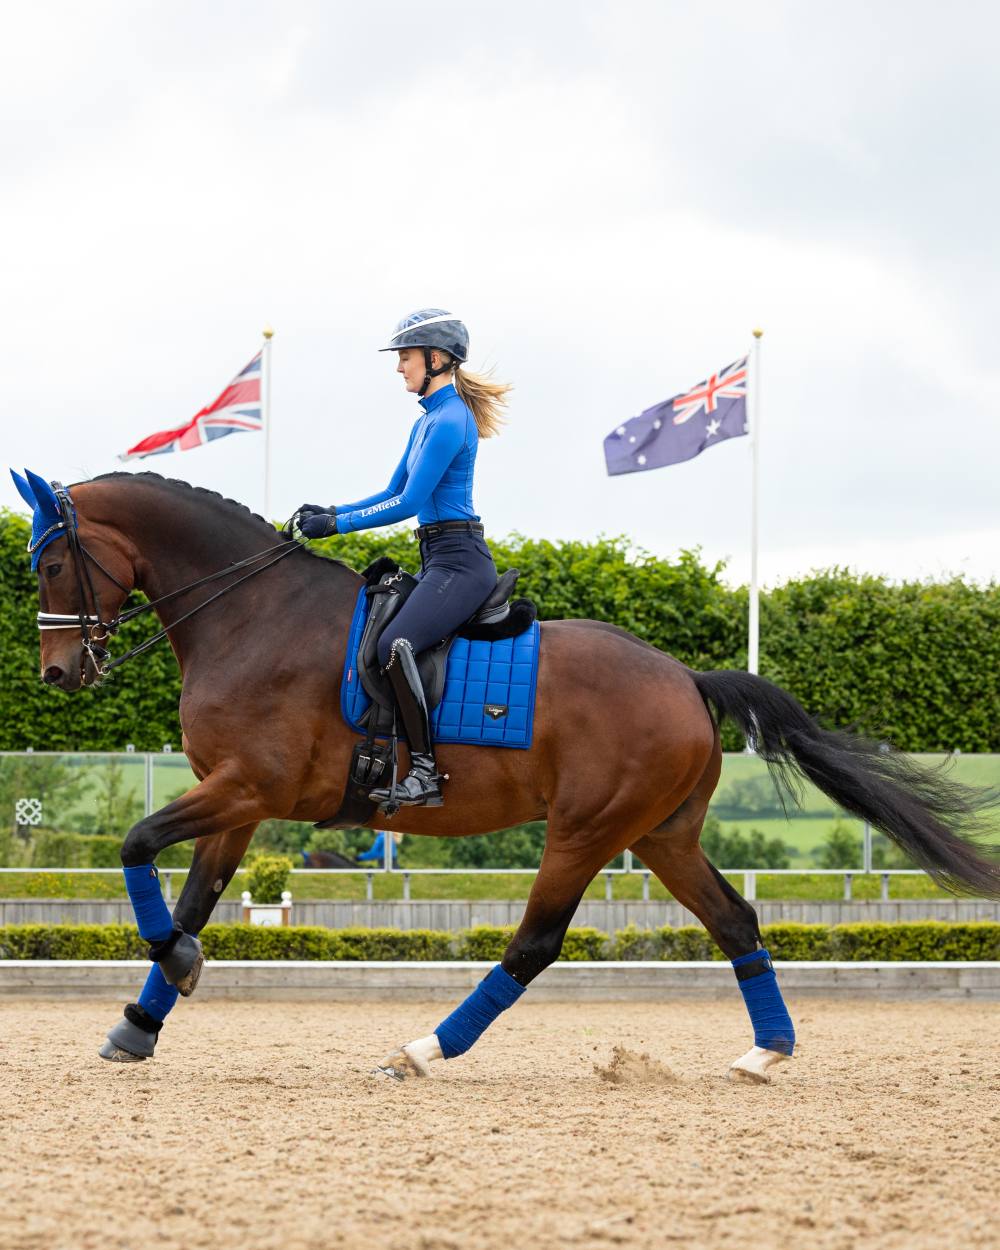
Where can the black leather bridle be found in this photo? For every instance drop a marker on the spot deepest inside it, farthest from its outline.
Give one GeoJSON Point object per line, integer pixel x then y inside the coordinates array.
{"type": "Point", "coordinates": [94, 630]}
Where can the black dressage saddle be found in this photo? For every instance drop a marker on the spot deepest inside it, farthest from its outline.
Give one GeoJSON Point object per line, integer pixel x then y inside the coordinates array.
{"type": "Point", "coordinates": [389, 586]}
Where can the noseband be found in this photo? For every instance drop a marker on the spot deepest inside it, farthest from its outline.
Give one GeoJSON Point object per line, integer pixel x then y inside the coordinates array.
{"type": "Point", "coordinates": [94, 630]}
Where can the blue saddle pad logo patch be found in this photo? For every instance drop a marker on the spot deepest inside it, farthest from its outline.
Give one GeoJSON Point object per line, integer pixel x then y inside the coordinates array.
{"type": "Point", "coordinates": [489, 688]}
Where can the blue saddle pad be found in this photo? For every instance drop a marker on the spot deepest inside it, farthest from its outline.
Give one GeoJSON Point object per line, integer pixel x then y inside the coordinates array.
{"type": "Point", "coordinates": [479, 675]}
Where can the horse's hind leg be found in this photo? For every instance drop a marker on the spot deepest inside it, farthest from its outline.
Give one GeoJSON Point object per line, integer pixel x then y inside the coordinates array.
{"type": "Point", "coordinates": [673, 853]}
{"type": "Point", "coordinates": [216, 859]}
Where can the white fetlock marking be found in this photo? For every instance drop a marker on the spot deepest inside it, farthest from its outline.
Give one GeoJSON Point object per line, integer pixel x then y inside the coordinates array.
{"type": "Point", "coordinates": [412, 1060]}
{"type": "Point", "coordinates": [423, 1052]}
{"type": "Point", "coordinates": [753, 1066]}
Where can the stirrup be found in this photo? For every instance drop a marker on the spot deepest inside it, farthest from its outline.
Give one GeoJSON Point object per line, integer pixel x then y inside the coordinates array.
{"type": "Point", "coordinates": [421, 787]}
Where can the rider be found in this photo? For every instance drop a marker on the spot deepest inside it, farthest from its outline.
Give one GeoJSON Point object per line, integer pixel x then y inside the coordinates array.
{"type": "Point", "coordinates": [434, 482]}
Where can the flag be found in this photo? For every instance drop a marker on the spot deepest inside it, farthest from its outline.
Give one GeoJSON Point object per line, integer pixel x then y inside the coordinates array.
{"type": "Point", "coordinates": [238, 408]}
{"type": "Point", "coordinates": [682, 427]}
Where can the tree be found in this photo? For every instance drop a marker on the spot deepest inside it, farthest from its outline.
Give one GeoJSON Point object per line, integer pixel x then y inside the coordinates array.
{"type": "Point", "coordinates": [117, 806]}
{"type": "Point", "coordinates": [520, 847]}
{"type": "Point", "coordinates": [841, 848]}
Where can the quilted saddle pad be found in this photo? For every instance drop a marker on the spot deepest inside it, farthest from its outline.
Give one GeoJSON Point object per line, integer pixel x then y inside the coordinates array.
{"type": "Point", "coordinates": [489, 688]}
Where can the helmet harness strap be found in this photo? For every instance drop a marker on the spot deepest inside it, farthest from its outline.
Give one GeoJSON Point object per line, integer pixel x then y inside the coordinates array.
{"type": "Point", "coordinates": [432, 373]}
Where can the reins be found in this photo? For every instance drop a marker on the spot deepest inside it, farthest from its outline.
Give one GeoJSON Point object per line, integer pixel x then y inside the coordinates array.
{"type": "Point", "coordinates": [89, 622]}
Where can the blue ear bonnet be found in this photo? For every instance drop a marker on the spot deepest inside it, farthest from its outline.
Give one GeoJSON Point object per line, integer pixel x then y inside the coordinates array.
{"type": "Point", "coordinates": [47, 523]}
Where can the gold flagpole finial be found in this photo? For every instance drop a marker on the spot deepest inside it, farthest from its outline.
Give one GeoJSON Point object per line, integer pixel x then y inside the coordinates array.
{"type": "Point", "coordinates": [268, 332]}
{"type": "Point", "coordinates": [758, 333]}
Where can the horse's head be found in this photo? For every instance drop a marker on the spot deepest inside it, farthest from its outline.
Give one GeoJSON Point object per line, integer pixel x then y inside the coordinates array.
{"type": "Point", "coordinates": [85, 573]}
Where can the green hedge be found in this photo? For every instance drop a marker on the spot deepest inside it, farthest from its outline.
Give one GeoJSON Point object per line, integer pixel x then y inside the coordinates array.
{"type": "Point", "coordinates": [907, 661]}
{"type": "Point", "coordinates": [928, 940]}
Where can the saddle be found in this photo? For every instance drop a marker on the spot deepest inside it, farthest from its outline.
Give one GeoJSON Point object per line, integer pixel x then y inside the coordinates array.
{"type": "Point", "coordinates": [389, 586]}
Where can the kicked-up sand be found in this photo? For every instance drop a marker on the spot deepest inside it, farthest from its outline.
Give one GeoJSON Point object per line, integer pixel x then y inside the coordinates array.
{"type": "Point", "coordinates": [598, 1125]}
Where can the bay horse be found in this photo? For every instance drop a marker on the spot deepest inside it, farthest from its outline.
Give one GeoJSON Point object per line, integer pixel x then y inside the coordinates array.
{"type": "Point", "coordinates": [626, 750]}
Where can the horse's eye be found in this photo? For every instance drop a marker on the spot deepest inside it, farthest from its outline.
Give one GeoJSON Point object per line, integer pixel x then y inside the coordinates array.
{"type": "Point", "coordinates": [52, 569]}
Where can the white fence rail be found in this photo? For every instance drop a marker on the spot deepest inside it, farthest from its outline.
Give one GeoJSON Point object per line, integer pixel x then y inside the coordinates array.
{"type": "Point", "coordinates": [749, 876]}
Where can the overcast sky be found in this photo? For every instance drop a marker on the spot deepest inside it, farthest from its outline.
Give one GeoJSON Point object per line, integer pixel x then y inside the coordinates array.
{"type": "Point", "coordinates": [612, 195]}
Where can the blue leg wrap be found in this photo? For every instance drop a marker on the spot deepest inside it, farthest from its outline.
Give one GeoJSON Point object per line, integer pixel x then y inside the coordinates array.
{"type": "Point", "coordinates": [158, 995]}
{"type": "Point", "coordinates": [151, 914]}
{"type": "Point", "coordinates": [772, 1025]}
{"type": "Point", "coordinates": [495, 993]}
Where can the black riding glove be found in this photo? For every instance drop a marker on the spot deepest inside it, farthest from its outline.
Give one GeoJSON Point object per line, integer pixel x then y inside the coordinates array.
{"type": "Point", "coordinates": [319, 524]}
{"type": "Point", "coordinates": [309, 509]}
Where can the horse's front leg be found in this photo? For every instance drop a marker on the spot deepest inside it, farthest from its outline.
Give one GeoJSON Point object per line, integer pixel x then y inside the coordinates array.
{"type": "Point", "coordinates": [218, 806]}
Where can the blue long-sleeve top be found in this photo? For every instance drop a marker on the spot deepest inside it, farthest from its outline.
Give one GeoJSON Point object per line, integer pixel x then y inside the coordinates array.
{"type": "Point", "coordinates": [433, 481]}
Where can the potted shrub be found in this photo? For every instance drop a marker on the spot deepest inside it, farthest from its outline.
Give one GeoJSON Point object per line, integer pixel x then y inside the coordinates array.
{"type": "Point", "coordinates": [267, 902]}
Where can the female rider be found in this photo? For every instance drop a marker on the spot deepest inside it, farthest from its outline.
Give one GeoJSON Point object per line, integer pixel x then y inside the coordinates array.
{"type": "Point", "coordinates": [433, 481]}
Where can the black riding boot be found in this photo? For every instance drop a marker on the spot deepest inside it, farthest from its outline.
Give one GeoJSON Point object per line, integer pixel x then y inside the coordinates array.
{"type": "Point", "coordinates": [422, 785]}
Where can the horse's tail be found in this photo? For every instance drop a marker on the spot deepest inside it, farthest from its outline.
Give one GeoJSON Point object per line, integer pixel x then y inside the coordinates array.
{"type": "Point", "coordinates": [935, 820]}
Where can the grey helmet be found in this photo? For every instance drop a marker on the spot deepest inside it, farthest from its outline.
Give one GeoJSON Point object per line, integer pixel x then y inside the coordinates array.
{"type": "Point", "coordinates": [431, 328]}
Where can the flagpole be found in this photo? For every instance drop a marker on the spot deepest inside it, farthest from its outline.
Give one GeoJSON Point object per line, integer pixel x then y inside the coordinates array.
{"type": "Point", "coordinates": [753, 641]}
{"type": "Point", "coordinates": [265, 403]}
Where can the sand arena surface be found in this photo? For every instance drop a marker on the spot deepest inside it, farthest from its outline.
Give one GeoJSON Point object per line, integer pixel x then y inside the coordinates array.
{"type": "Point", "coordinates": [258, 1127]}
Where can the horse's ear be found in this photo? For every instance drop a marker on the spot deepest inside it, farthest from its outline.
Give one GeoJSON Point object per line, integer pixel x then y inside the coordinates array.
{"type": "Point", "coordinates": [47, 503]}
{"type": "Point", "coordinates": [23, 489]}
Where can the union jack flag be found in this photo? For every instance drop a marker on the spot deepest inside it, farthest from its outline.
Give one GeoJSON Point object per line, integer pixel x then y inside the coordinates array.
{"type": "Point", "coordinates": [681, 427]}
{"type": "Point", "coordinates": [729, 383]}
{"type": "Point", "coordinates": [236, 410]}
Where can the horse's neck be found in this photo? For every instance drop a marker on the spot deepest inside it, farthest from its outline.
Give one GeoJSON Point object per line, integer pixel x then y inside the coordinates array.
{"type": "Point", "coordinates": [173, 554]}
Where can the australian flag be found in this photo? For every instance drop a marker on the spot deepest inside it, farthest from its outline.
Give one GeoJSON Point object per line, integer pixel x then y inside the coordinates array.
{"type": "Point", "coordinates": [235, 411]}
{"type": "Point", "coordinates": [681, 428]}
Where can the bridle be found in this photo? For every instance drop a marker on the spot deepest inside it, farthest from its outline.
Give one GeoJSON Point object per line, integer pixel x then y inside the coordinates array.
{"type": "Point", "coordinates": [94, 630]}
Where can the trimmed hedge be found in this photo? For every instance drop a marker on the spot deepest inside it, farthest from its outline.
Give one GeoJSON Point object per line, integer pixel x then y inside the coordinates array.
{"type": "Point", "coordinates": [927, 940]}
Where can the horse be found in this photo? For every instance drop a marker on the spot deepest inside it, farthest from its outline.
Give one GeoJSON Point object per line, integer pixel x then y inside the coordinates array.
{"type": "Point", "coordinates": [626, 750]}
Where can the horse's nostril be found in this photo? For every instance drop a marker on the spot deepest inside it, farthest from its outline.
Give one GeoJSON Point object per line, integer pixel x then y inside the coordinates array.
{"type": "Point", "coordinates": [52, 675]}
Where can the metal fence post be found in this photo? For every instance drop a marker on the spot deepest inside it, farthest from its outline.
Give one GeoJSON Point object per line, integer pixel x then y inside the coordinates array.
{"type": "Point", "coordinates": [866, 845]}
{"type": "Point", "coordinates": [885, 887]}
{"type": "Point", "coordinates": [627, 860]}
{"type": "Point", "coordinates": [406, 887]}
{"type": "Point", "coordinates": [750, 886]}
{"type": "Point", "coordinates": [645, 887]}
{"type": "Point", "coordinates": [148, 766]}
{"type": "Point", "coordinates": [168, 890]}
{"type": "Point", "coordinates": [369, 886]}
{"type": "Point", "coordinates": [848, 880]}
{"type": "Point", "coordinates": [609, 883]}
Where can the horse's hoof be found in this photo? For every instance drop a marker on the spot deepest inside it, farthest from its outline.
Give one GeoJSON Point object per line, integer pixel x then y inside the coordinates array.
{"type": "Point", "coordinates": [116, 1055]}
{"type": "Point", "coordinates": [183, 963]}
{"type": "Point", "coordinates": [412, 1060]}
{"type": "Point", "coordinates": [127, 1043]}
{"type": "Point", "coordinates": [403, 1065]}
{"type": "Point", "coordinates": [752, 1068]}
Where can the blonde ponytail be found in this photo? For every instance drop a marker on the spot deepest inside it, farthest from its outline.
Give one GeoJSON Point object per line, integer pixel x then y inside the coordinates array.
{"type": "Point", "coordinates": [485, 398]}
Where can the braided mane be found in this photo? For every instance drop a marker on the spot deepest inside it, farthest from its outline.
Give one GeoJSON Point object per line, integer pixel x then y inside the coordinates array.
{"type": "Point", "coordinates": [177, 482]}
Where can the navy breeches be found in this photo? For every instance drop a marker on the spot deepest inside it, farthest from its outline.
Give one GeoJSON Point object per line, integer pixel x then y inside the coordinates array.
{"type": "Point", "coordinates": [458, 573]}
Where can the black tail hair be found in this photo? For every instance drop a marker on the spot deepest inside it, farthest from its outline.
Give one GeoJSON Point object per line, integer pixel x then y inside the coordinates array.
{"type": "Point", "coordinates": [938, 822]}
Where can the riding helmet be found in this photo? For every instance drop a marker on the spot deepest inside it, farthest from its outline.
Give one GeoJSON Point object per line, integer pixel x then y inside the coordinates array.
{"type": "Point", "coordinates": [429, 328]}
